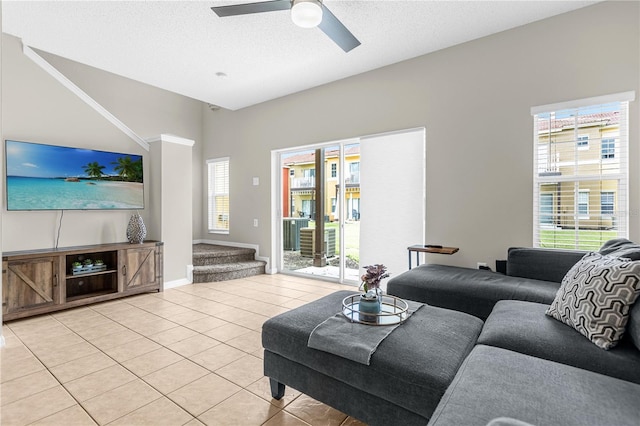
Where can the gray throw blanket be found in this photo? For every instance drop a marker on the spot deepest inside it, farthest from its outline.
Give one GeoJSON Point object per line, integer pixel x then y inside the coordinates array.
{"type": "Point", "coordinates": [352, 340]}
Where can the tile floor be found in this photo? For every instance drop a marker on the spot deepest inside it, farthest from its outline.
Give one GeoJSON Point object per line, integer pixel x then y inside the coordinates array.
{"type": "Point", "coordinates": [187, 356]}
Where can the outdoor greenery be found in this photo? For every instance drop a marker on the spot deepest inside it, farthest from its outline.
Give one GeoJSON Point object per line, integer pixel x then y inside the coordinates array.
{"type": "Point", "coordinates": [352, 238]}
{"type": "Point", "coordinates": [566, 238]}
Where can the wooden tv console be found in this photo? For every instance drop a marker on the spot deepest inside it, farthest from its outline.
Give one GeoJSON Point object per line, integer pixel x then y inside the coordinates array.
{"type": "Point", "coordinates": [40, 281]}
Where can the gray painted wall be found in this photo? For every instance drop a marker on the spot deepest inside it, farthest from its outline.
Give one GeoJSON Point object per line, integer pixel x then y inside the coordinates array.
{"type": "Point", "coordinates": [37, 108]}
{"type": "Point", "coordinates": [474, 101]}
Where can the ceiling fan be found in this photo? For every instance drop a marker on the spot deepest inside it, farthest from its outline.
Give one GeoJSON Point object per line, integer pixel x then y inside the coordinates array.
{"type": "Point", "coordinates": [304, 13]}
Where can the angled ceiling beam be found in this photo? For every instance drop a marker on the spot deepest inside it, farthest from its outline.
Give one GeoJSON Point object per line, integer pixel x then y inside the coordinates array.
{"type": "Point", "coordinates": [42, 63]}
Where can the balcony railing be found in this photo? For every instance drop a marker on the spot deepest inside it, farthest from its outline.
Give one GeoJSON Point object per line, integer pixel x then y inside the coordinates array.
{"type": "Point", "coordinates": [303, 182]}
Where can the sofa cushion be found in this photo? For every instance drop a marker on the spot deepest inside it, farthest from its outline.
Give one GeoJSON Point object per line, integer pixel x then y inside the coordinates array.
{"type": "Point", "coordinates": [495, 382]}
{"type": "Point", "coordinates": [523, 327]}
{"type": "Point", "coordinates": [621, 247]}
{"type": "Point", "coordinates": [541, 263]}
{"type": "Point", "coordinates": [595, 297]}
{"type": "Point", "coordinates": [472, 291]}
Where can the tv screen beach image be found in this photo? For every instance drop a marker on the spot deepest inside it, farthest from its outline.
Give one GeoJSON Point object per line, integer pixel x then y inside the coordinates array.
{"type": "Point", "coordinates": [48, 177]}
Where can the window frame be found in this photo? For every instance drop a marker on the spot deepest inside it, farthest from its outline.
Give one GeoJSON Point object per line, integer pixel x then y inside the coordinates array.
{"type": "Point", "coordinates": [213, 209]}
{"type": "Point", "coordinates": [573, 174]}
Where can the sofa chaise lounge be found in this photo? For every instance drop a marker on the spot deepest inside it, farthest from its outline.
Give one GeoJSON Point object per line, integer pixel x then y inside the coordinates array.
{"type": "Point", "coordinates": [482, 349]}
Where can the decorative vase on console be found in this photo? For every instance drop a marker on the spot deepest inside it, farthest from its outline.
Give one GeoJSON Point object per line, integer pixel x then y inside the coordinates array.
{"type": "Point", "coordinates": [136, 231]}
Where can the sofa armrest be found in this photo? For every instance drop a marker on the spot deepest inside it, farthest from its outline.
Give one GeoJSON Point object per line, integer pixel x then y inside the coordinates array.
{"type": "Point", "coordinates": [541, 263]}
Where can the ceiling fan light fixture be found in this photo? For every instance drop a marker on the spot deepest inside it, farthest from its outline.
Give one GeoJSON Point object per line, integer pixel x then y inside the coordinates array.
{"type": "Point", "coordinates": [306, 13]}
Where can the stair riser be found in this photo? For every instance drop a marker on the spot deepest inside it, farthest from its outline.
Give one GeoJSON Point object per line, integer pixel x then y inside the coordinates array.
{"type": "Point", "coordinates": [219, 260]}
{"type": "Point", "coordinates": [205, 277]}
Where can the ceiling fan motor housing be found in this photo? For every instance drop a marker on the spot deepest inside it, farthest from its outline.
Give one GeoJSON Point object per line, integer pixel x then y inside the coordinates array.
{"type": "Point", "coordinates": [306, 13]}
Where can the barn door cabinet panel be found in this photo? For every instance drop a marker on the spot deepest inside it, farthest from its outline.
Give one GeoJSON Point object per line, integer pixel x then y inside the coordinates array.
{"type": "Point", "coordinates": [40, 281]}
{"type": "Point", "coordinates": [29, 285]}
{"type": "Point", "coordinates": [141, 267]}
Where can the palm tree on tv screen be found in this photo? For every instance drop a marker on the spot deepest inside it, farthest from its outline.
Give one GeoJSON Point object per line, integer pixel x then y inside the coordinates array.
{"type": "Point", "coordinates": [93, 170]}
{"type": "Point", "coordinates": [128, 169]}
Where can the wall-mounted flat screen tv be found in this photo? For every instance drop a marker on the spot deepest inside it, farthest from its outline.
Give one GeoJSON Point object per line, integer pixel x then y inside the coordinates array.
{"type": "Point", "coordinates": [49, 177]}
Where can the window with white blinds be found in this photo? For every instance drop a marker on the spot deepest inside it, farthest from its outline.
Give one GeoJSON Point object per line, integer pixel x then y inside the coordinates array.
{"type": "Point", "coordinates": [218, 195]}
{"type": "Point", "coordinates": [581, 188]}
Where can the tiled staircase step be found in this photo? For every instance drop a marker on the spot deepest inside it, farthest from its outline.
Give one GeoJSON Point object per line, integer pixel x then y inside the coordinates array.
{"type": "Point", "coordinates": [228, 271]}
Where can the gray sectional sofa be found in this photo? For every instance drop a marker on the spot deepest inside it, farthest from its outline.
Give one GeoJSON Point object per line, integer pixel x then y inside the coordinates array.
{"type": "Point", "coordinates": [481, 352]}
{"type": "Point", "coordinates": [526, 365]}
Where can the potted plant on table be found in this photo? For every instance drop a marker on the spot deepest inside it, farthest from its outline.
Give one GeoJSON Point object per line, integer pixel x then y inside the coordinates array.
{"type": "Point", "coordinates": [76, 265]}
{"type": "Point", "coordinates": [371, 300]}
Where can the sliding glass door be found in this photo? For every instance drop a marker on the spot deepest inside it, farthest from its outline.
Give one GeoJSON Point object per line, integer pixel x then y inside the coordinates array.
{"type": "Point", "coordinates": [365, 197]}
{"type": "Point", "coordinates": [320, 195]}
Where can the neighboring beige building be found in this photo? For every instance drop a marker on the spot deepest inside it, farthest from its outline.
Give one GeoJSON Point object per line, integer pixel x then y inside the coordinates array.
{"type": "Point", "coordinates": [586, 155]}
{"type": "Point", "coordinates": [301, 194]}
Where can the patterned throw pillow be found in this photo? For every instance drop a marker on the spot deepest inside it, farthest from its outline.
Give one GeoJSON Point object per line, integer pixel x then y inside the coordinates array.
{"type": "Point", "coordinates": [595, 297]}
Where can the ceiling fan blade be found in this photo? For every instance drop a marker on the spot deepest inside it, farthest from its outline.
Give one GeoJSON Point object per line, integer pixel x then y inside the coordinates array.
{"type": "Point", "coordinates": [247, 8]}
{"type": "Point", "coordinates": [336, 31]}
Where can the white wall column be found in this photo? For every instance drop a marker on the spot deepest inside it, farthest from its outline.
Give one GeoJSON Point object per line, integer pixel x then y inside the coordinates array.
{"type": "Point", "coordinates": [1, 202]}
{"type": "Point", "coordinates": [170, 204]}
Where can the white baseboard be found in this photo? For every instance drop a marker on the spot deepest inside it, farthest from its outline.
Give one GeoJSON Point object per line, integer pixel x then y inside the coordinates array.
{"type": "Point", "coordinates": [176, 283]}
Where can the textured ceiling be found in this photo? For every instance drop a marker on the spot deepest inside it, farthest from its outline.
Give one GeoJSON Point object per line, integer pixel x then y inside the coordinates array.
{"type": "Point", "coordinates": [181, 45]}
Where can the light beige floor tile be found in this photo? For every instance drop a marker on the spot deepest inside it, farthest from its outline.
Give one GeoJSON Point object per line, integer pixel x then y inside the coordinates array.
{"type": "Point", "coordinates": [25, 386]}
{"type": "Point", "coordinates": [172, 312]}
{"type": "Point", "coordinates": [152, 361]}
{"type": "Point", "coordinates": [172, 335]}
{"type": "Point", "coordinates": [89, 320]}
{"type": "Point", "coordinates": [175, 376]}
{"type": "Point", "coordinates": [36, 407]}
{"type": "Point", "coordinates": [249, 342]}
{"type": "Point", "coordinates": [160, 412]}
{"type": "Point", "coordinates": [217, 357]}
{"type": "Point", "coordinates": [132, 349]}
{"type": "Point", "coordinates": [64, 354]}
{"type": "Point", "coordinates": [283, 418]}
{"type": "Point", "coordinates": [115, 339]}
{"type": "Point", "coordinates": [101, 330]}
{"type": "Point", "coordinates": [120, 401]}
{"type": "Point", "coordinates": [46, 343]}
{"type": "Point", "coordinates": [155, 326]}
{"type": "Point", "coordinates": [193, 345]}
{"type": "Point", "coordinates": [194, 422]}
{"type": "Point", "coordinates": [205, 324]}
{"type": "Point", "coordinates": [204, 393]}
{"type": "Point", "coordinates": [14, 350]}
{"type": "Point", "coordinates": [187, 316]}
{"type": "Point", "coordinates": [315, 412]}
{"type": "Point", "coordinates": [19, 368]}
{"type": "Point", "coordinates": [227, 332]}
{"type": "Point", "coordinates": [294, 303]}
{"type": "Point", "coordinates": [81, 367]}
{"type": "Point", "coordinates": [99, 382]}
{"type": "Point", "coordinates": [72, 416]}
{"type": "Point", "coordinates": [252, 321]}
{"type": "Point", "coordinates": [243, 371]}
{"type": "Point", "coordinates": [243, 408]}
{"type": "Point", "coordinates": [262, 389]}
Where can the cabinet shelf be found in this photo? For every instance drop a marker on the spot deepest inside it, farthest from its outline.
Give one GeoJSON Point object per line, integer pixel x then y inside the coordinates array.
{"type": "Point", "coordinates": [89, 274]}
{"type": "Point", "coordinates": [40, 281]}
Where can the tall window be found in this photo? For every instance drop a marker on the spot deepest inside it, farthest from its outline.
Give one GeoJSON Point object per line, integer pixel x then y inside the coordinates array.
{"type": "Point", "coordinates": [218, 195]}
{"type": "Point", "coordinates": [607, 203]}
{"type": "Point", "coordinates": [580, 162]}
